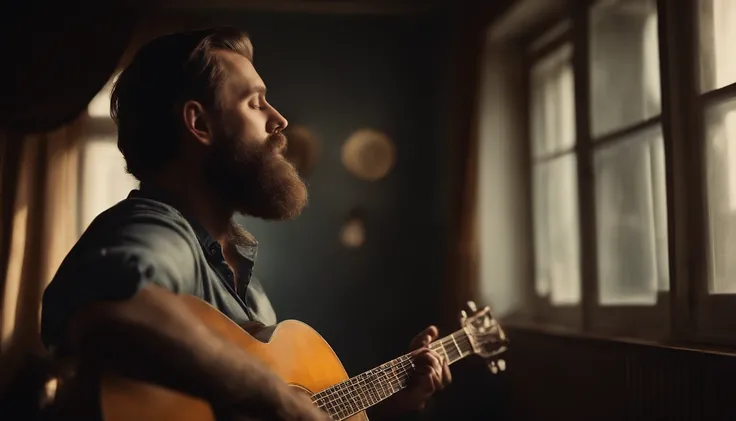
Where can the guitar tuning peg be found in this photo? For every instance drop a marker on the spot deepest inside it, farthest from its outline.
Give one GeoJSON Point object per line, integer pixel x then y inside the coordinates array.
{"type": "Point", "coordinates": [463, 314]}
{"type": "Point", "coordinates": [501, 365]}
{"type": "Point", "coordinates": [472, 306]}
{"type": "Point", "coordinates": [493, 367]}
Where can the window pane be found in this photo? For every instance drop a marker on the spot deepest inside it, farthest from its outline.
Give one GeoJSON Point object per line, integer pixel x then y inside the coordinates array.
{"type": "Point", "coordinates": [721, 156]}
{"type": "Point", "coordinates": [717, 32]}
{"type": "Point", "coordinates": [631, 216]}
{"type": "Point", "coordinates": [557, 242]}
{"type": "Point", "coordinates": [553, 103]}
{"type": "Point", "coordinates": [104, 179]}
{"type": "Point", "coordinates": [624, 54]}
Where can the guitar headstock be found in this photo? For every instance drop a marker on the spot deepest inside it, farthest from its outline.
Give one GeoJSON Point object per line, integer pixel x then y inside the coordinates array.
{"type": "Point", "coordinates": [486, 335]}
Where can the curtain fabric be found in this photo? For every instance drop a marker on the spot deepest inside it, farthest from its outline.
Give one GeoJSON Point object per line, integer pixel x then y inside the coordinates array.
{"type": "Point", "coordinates": [461, 281]}
{"type": "Point", "coordinates": [59, 57]}
{"type": "Point", "coordinates": [37, 231]}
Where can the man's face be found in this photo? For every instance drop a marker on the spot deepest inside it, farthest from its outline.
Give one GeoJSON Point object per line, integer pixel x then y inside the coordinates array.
{"type": "Point", "coordinates": [246, 163]}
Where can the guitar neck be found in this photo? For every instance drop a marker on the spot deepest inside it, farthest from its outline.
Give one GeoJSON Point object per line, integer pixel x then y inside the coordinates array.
{"type": "Point", "coordinates": [371, 387]}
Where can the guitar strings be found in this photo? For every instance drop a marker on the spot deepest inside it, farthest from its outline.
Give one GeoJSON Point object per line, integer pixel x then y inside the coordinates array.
{"type": "Point", "coordinates": [401, 364]}
{"type": "Point", "coordinates": [355, 394]}
{"type": "Point", "coordinates": [347, 405]}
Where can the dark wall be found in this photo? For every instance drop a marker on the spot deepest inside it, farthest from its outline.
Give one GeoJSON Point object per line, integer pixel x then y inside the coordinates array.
{"type": "Point", "coordinates": [336, 74]}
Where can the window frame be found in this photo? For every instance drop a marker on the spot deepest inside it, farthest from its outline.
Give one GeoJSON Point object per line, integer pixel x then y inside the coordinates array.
{"type": "Point", "coordinates": [543, 309]}
{"type": "Point", "coordinates": [682, 130]}
{"type": "Point", "coordinates": [710, 322]}
{"type": "Point", "coordinates": [638, 321]}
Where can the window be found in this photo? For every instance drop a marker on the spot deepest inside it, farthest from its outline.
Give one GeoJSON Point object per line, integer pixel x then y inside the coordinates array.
{"type": "Point", "coordinates": [104, 180]}
{"type": "Point", "coordinates": [556, 222]}
{"type": "Point", "coordinates": [624, 64]}
{"type": "Point", "coordinates": [631, 185]}
{"type": "Point", "coordinates": [718, 75]}
{"type": "Point", "coordinates": [628, 152]}
{"type": "Point", "coordinates": [598, 167]}
{"type": "Point", "coordinates": [716, 105]}
{"type": "Point", "coordinates": [631, 219]}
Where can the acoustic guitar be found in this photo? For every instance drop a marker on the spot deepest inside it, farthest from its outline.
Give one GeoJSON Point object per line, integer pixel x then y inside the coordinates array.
{"type": "Point", "coordinates": [304, 360]}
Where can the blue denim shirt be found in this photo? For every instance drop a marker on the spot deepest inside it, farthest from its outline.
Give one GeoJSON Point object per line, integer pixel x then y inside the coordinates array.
{"type": "Point", "coordinates": [142, 240]}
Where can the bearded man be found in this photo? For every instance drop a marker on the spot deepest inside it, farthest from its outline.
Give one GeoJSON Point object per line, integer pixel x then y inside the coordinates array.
{"type": "Point", "coordinates": [197, 131]}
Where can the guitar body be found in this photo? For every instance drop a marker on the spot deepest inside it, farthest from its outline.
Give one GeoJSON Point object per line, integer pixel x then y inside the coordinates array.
{"type": "Point", "coordinates": [296, 352]}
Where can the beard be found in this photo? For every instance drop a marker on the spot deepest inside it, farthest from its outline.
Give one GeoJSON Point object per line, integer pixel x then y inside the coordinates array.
{"type": "Point", "coordinates": [254, 178]}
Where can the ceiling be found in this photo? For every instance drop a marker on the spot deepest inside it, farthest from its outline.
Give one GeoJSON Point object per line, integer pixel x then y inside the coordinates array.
{"type": "Point", "coordinates": [312, 6]}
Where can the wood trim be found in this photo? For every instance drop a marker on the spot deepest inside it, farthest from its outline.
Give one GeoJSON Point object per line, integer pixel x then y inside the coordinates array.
{"type": "Point", "coordinates": [518, 324]}
{"type": "Point", "coordinates": [554, 155]}
{"type": "Point", "coordinates": [717, 95]}
{"type": "Point", "coordinates": [561, 331]}
{"type": "Point", "coordinates": [684, 161]}
{"type": "Point", "coordinates": [550, 47]}
{"type": "Point", "coordinates": [586, 179]}
{"type": "Point", "coordinates": [551, 32]}
{"type": "Point", "coordinates": [627, 131]}
{"type": "Point", "coordinates": [530, 295]}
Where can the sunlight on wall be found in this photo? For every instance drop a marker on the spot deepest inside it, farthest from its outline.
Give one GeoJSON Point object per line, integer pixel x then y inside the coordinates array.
{"type": "Point", "coordinates": [503, 234]}
{"type": "Point", "coordinates": [104, 180]}
{"type": "Point", "coordinates": [100, 104]}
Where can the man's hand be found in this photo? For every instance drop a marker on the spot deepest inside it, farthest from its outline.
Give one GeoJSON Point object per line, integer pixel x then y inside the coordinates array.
{"type": "Point", "coordinates": [431, 373]}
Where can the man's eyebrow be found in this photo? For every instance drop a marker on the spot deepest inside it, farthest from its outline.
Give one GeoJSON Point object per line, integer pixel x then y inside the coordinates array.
{"type": "Point", "coordinates": [260, 89]}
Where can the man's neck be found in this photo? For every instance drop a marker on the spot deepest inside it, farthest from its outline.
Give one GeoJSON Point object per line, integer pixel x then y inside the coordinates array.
{"type": "Point", "coordinates": [198, 201]}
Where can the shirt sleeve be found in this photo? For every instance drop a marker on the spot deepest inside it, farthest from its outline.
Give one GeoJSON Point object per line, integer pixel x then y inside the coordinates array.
{"type": "Point", "coordinates": [114, 259]}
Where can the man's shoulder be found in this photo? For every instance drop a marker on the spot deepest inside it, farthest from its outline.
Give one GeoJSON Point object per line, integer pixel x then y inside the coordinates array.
{"type": "Point", "coordinates": [141, 211]}
{"type": "Point", "coordinates": [137, 223]}
{"type": "Point", "coordinates": [142, 229]}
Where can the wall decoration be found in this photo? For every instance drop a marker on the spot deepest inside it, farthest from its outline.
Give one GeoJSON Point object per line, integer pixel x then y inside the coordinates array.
{"type": "Point", "coordinates": [369, 154]}
{"type": "Point", "coordinates": [352, 233]}
{"type": "Point", "coordinates": [301, 149]}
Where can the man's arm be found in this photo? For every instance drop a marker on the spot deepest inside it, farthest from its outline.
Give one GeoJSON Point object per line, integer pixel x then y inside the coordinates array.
{"type": "Point", "coordinates": [113, 304]}
{"type": "Point", "coordinates": [153, 337]}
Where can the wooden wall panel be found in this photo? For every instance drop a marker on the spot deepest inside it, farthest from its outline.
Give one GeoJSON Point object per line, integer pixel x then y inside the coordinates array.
{"type": "Point", "coordinates": [554, 377]}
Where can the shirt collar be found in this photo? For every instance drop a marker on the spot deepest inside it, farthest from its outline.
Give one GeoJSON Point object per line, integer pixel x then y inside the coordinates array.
{"type": "Point", "coordinates": [244, 242]}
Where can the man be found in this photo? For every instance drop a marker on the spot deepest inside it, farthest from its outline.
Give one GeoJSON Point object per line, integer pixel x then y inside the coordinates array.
{"type": "Point", "coordinates": [196, 129]}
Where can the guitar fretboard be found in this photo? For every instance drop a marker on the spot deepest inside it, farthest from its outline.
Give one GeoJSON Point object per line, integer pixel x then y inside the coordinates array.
{"type": "Point", "coordinates": [359, 393]}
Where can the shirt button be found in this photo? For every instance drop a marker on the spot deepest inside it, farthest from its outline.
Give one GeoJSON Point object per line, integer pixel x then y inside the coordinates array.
{"type": "Point", "coordinates": [214, 249]}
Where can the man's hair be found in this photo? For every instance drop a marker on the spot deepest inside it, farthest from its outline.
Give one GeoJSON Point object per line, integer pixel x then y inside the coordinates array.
{"type": "Point", "coordinates": [147, 97]}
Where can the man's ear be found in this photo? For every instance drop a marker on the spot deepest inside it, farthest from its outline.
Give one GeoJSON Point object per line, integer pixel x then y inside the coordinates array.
{"type": "Point", "coordinates": [197, 122]}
